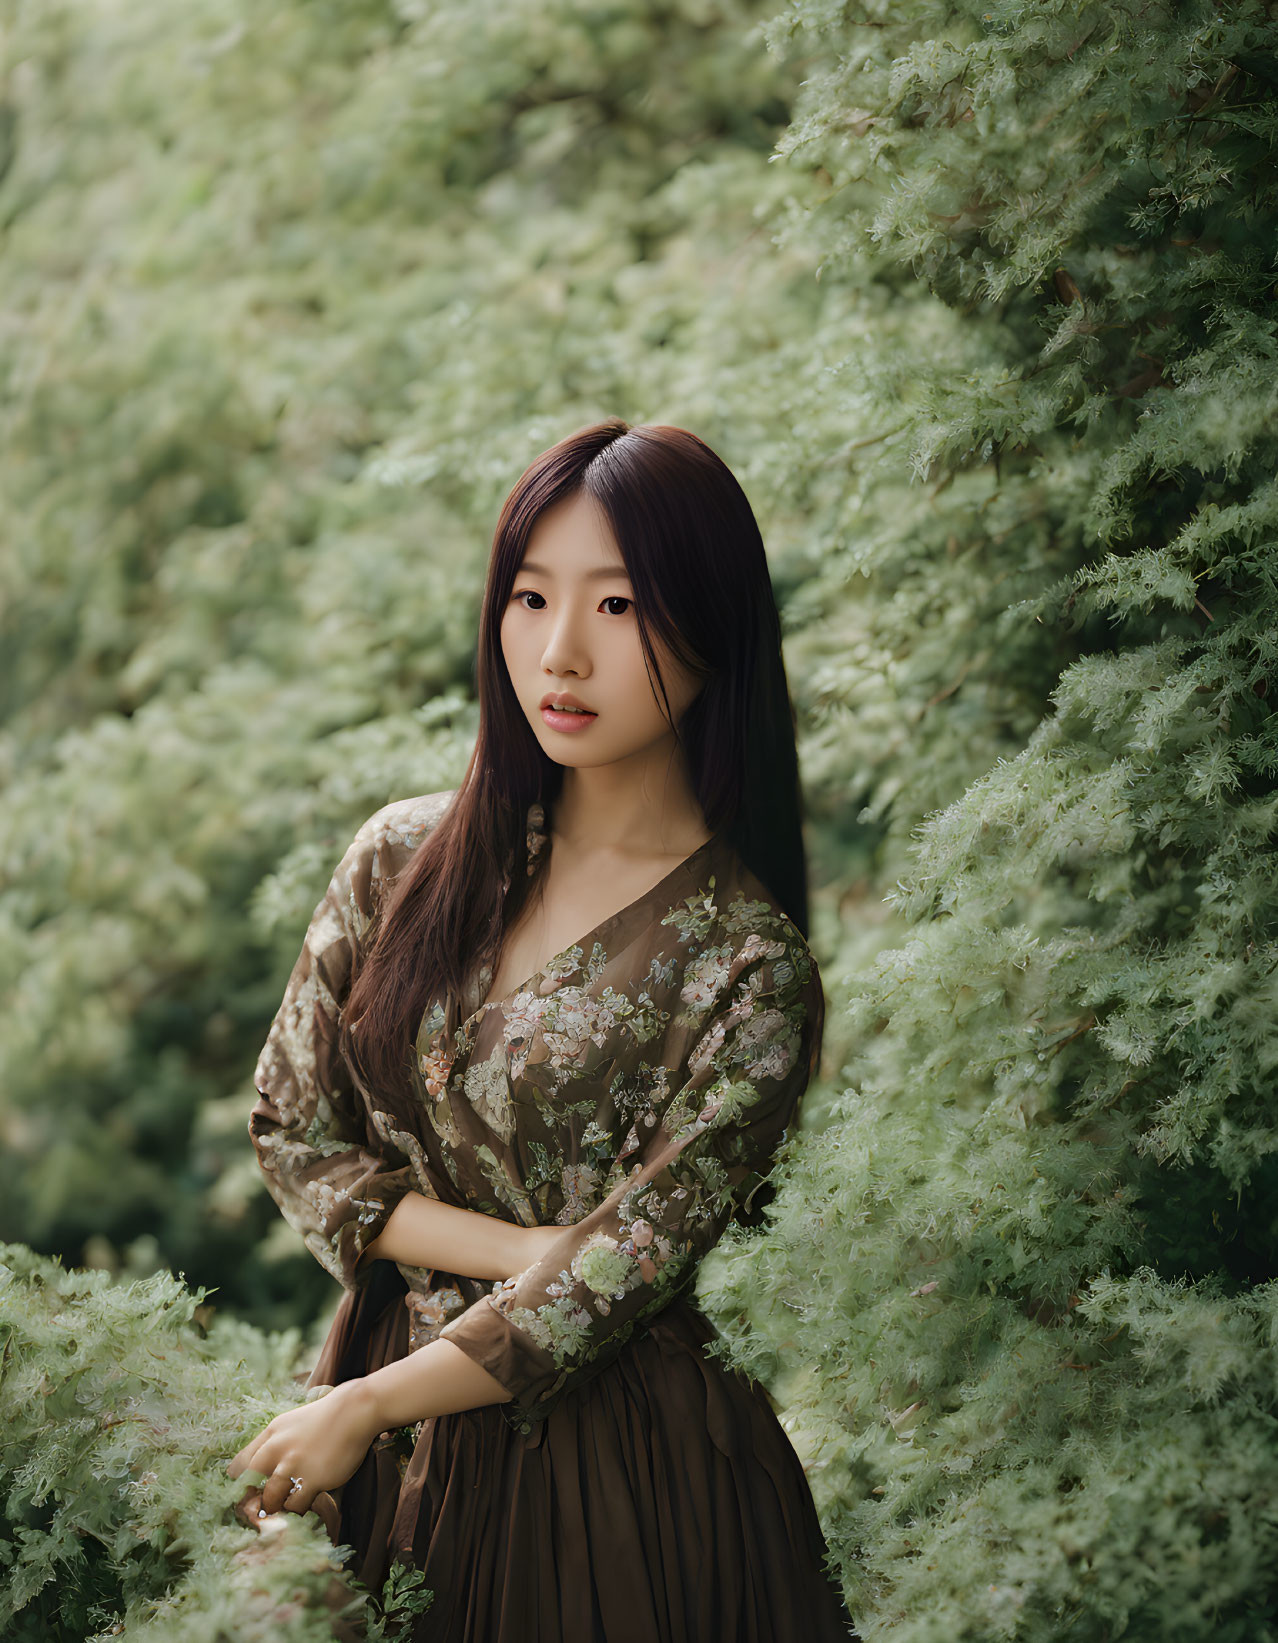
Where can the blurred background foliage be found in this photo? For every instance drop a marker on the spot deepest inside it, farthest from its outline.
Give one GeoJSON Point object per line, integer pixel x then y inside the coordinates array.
{"type": "Point", "coordinates": [977, 299]}
{"type": "Point", "coordinates": [291, 299]}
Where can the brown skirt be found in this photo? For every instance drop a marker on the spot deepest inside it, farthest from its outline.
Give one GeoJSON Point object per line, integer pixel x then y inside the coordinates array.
{"type": "Point", "coordinates": [660, 1502]}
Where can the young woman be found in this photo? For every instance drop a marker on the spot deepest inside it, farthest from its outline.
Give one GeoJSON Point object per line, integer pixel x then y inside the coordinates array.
{"type": "Point", "coordinates": [540, 1046]}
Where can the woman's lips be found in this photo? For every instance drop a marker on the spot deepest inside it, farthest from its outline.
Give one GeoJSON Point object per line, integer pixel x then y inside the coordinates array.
{"type": "Point", "coordinates": [567, 721]}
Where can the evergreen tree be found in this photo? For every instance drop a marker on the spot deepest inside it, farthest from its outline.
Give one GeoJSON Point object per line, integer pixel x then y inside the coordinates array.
{"type": "Point", "coordinates": [1035, 1389]}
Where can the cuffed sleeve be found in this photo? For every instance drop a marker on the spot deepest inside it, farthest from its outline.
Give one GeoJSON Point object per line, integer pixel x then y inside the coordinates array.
{"type": "Point", "coordinates": [336, 1180]}
{"type": "Point", "coordinates": [550, 1328]}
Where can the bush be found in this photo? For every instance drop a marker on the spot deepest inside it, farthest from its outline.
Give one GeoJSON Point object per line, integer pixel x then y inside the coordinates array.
{"type": "Point", "coordinates": [120, 1412]}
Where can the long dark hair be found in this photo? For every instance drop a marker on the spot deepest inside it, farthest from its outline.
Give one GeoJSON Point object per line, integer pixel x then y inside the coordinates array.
{"type": "Point", "coordinates": [695, 559]}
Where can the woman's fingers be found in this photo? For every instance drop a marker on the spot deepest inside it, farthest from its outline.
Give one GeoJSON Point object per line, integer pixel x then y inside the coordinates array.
{"type": "Point", "coordinates": [249, 1509]}
{"type": "Point", "coordinates": [285, 1490]}
{"type": "Point", "coordinates": [244, 1457]}
{"type": "Point", "coordinates": [239, 1461]}
{"type": "Point", "coordinates": [281, 1490]}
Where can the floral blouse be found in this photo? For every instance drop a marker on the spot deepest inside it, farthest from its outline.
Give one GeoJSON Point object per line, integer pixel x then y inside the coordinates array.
{"type": "Point", "coordinates": [633, 1092]}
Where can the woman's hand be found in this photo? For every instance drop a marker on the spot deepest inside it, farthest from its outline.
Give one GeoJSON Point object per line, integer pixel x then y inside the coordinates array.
{"type": "Point", "coordinates": [307, 1451]}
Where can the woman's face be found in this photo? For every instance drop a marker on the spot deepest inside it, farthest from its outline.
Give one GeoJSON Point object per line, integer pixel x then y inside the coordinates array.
{"type": "Point", "coordinates": [569, 631]}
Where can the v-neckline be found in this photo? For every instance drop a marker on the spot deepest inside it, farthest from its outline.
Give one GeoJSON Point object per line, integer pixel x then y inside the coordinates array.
{"type": "Point", "coordinates": [591, 935]}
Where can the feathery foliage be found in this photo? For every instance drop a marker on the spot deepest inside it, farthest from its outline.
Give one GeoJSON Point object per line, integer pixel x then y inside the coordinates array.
{"type": "Point", "coordinates": [977, 299]}
{"type": "Point", "coordinates": [121, 1411]}
{"type": "Point", "coordinates": [258, 266]}
{"type": "Point", "coordinates": [1037, 1389]}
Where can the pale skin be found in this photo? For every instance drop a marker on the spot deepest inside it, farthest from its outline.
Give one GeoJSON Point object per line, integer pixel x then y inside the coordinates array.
{"type": "Point", "coordinates": [626, 815]}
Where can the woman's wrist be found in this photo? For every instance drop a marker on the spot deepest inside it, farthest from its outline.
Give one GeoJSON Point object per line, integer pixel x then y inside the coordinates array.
{"type": "Point", "coordinates": [435, 1379]}
{"type": "Point", "coordinates": [359, 1406]}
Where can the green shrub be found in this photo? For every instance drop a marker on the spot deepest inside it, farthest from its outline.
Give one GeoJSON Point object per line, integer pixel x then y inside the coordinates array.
{"type": "Point", "coordinates": [119, 1414]}
{"type": "Point", "coordinates": [1035, 1386]}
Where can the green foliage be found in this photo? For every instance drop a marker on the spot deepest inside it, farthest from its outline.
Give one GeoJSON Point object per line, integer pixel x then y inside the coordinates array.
{"type": "Point", "coordinates": [1037, 1393]}
{"type": "Point", "coordinates": [403, 1597]}
{"type": "Point", "coordinates": [120, 1412]}
{"type": "Point", "coordinates": [987, 1463]}
{"type": "Point", "coordinates": [260, 270]}
{"type": "Point", "coordinates": [977, 298]}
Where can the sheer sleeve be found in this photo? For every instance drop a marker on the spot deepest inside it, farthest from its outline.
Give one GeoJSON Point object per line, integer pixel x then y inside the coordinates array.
{"type": "Point", "coordinates": [335, 1180]}
{"type": "Point", "coordinates": [554, 1325]}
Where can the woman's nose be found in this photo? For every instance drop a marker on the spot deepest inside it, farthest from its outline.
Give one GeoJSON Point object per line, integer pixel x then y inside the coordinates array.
{"type": "Point", "coordinates": [566, 649]}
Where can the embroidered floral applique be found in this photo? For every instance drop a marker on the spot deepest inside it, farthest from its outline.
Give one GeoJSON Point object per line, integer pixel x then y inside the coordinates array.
{"type": "Point", "coordinates": [428, 1313]}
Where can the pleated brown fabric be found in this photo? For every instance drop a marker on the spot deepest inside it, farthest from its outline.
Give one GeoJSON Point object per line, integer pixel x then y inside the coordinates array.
{"type": "Point", "coordinates": [661, 1502]}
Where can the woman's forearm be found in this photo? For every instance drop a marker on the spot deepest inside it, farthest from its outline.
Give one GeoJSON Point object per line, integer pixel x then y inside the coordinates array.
{"type": "Point", "coordinates": [421, 1231]}
{"type": "Point", "coordinates": [438, 1379]}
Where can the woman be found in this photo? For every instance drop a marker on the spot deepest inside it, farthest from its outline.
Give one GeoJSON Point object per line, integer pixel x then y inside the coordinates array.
{"type": "Point", "coordinates": [512, 1142]}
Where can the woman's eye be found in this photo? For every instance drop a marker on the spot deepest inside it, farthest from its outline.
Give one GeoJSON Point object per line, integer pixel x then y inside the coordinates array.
{"type": "Point", "coordinates": [531, 593]}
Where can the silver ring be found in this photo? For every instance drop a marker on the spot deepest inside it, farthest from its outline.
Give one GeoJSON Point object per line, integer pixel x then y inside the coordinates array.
{"type": "Point", "coordinates": [296, 1483]}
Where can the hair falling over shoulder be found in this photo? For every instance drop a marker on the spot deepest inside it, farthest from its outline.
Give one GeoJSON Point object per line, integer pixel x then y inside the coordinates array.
{"type": "Point", "coordinates": [695, 558]}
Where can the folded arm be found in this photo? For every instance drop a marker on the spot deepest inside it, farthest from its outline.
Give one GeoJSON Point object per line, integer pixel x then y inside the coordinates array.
{"type": "Point", "coordinates": [336, 1170]}
{"type": "Point", "coordinates": [355, 1187]}
{"type": "Point", "coordinates": [422, 1232]}
{"type": "Point", "coordinates": [556, 1323]}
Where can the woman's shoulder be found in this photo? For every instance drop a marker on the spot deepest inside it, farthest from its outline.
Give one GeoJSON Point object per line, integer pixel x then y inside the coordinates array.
{"type": "Point", "coordinates": [734, 926]}
{"type": "Point", "coordinates": [753, 960]}
{"type": "Point", "coordinates": [383, 843]}
{"type": "Point", "coordinates": [746, 907]}
{"type": "Point", "coordinates": [403, 823]}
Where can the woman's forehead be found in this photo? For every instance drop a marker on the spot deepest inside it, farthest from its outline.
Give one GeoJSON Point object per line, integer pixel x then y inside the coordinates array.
{"type": "Point", "coordinates": [573, 536]}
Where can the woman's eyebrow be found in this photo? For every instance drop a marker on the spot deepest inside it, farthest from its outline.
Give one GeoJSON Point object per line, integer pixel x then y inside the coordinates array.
{"type": "Point", "coordinates": [617, 573]}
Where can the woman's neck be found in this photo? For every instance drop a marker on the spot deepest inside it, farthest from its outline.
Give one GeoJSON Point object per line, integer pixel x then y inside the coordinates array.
{"type": "Point", "coordinates": [642, 807]}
